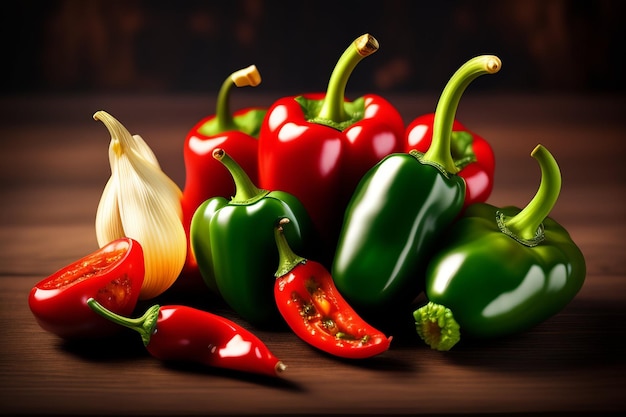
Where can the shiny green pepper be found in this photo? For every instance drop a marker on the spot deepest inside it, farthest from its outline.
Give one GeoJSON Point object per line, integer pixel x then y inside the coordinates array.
{"type": "Point", "coordinates": [396, 215]}
{"type": "Point", "coordinates": [502, 270]}
{"type": "Point", "coordinates": [398, 211]}
{"type": "Point", "coordinates": [233, 242]}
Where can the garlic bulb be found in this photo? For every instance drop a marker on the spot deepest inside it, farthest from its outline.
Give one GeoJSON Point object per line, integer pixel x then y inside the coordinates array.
{"type": "Point", "coordinates": [141, 202]}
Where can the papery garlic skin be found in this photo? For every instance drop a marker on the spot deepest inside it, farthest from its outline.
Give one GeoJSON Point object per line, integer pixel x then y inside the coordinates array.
{"type": "Point", "coordinates": [141, 202]}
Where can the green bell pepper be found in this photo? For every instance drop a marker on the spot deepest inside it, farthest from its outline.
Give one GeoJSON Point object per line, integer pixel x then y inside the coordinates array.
{"type": "Point", "coordinates": [233, 242]}
{"type": "Point", "coordinates": [398, 211]}
{"type": "Point", "coordinates": [502, 270]}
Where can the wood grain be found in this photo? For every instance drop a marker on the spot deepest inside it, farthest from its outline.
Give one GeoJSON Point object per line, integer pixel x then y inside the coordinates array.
{"type": "Point", "coordinates": [53, 166]}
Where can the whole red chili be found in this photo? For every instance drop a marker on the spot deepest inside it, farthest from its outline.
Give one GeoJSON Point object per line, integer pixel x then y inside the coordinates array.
{"type": "Point", "coordinates": [318, 146]}
{"type": "Point", "coordinates": [314, 309]}
{"type": "Point", "coordinates": [186, 334]}
{"type": "Point", "coordinates": [237, 133]}
{"type": "Point", "coordinates": [472, 155]}
{"type": "Point", "coordinates": [113, 275]}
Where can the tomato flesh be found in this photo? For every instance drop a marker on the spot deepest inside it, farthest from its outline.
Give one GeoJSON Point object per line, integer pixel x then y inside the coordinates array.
{"type": "Point", "coordinates": [89, 266]}
{"type": "Point", "coordinates": [113, 275]}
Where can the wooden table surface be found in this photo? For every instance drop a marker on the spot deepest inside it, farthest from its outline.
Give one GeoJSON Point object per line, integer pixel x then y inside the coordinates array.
{"type": "Point", "coordinates": [53, 166]}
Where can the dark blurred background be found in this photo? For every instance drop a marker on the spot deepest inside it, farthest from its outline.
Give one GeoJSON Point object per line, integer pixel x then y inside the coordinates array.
{"type": "Point", "coordinates": [135, 46]}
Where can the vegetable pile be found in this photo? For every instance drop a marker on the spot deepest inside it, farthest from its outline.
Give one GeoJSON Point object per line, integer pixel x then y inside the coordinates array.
{"type": "Point", "coordinates": [341, 218]}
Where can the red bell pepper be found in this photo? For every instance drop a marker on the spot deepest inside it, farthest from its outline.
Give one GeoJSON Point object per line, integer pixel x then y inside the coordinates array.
{"type": "Point", "coordinates": [314, 309]}
{"type": "Point", "coordinates": [113, 275]}
{"type": "Point", "coordinates": [318, 146]}
{"type": "Point", "coordinates": [185, 334]}
{"type": "Point", "coordinates": [236, 133]}
{"type": "Point", "coordinates": [472, 155]}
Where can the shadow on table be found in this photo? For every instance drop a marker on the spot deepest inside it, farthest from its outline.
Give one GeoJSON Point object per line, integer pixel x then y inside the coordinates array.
{"type": "Point", "coordinates": [585, 329]}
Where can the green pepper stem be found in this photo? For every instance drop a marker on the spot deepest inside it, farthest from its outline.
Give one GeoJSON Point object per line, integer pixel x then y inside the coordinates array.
{"type": "Point", "coordinates": [333, 107]}
{"type": "Point", "coordinates": [245, 190]}
{"type": "Point", "coordinates": [439, 150]}
{"type": "Point", "coordinates": [287, 259]}
{"type": "Point", "coordinates": [436, 326]}
{"type": "Point", "coordinates": [244, 77]}
{"type": "Point", "coordinates": [527, 222]}
{"type": "Point", "coordinates": [144, 325]}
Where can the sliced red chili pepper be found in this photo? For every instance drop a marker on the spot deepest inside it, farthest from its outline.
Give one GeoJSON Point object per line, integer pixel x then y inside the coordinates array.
{"type": "Point", "coordinates": [113, 275]}
{"type": "Point", "coordinates": [314, 309]}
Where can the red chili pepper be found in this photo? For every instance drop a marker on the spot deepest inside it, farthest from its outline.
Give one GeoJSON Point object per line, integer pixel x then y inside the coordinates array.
{"type": "Point", "coordinates": [471, 154]}
{"type": "Point", "coordinates": [113, 275]}
{"type": "Point", "coordinates": [236, 133]}
{"type": "Point", "coordinates": [186, 334]}
{"type": "Point", "coordinates": [318, 146]}
{"type": "Point", "coordinates": [314, 309]}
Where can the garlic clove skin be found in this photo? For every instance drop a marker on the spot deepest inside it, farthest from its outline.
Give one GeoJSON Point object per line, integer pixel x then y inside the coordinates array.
{"type": "Point", "coordinates": [140, 201]}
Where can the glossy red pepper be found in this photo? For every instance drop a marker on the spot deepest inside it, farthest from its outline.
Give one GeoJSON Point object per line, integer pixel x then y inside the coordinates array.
{"type": "Point", "coordinates": [113, 275]}
{"type": "Point", "coordinates": [186, 334]}
{"type": "Point", "coordinates": [318, 146]}
{"type": "Point", "coordinates": [314, 309]}
{"type": "Point", "coordinates": [472, 155]}
{"type": "Point", "coordinates": [236, 133]}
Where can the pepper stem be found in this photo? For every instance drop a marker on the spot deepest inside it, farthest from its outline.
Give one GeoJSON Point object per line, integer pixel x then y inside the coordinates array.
{"type": "Point", "coordinates": [245, 190]}
{"type": "Point", "coordinates": [333, 107]}
{"type": "Point", "coordinates": [287, 259]}
{"type": "Point", "coordinates": [439, 150]}
{"type": "Point", "coordinates": [244, 77]}
{"type": "Point", "coordinates": [144, 325]}
{"type": "Point", "coordinates": [436, 325]}
{"type": "Point", "coordinates": [525, 226]}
